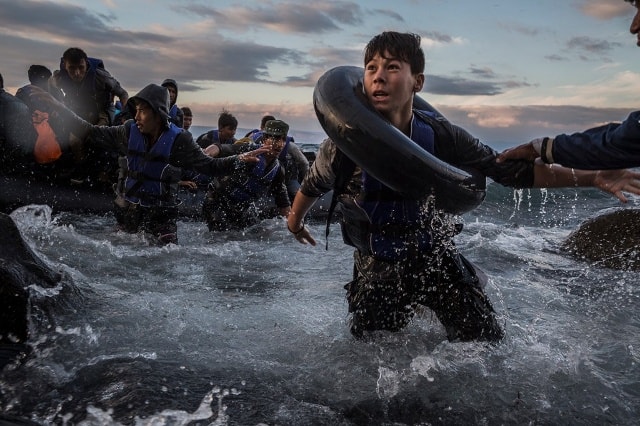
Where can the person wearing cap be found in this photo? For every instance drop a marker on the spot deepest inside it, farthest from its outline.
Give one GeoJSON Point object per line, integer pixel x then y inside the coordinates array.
{"type": "Point", "coordinates": [176, 116]}
{"type": "Point", "coordinates": [155, 152]}
{"type": "Point", "coordinates": [610, 146]}
{"type": "Point", "coordinates": [295, 164]}
{"type": "Point", "coordinates": [242, 198]}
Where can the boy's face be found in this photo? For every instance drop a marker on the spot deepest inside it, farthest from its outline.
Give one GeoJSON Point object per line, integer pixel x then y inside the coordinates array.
{"type": "Point", "coordinates": [146, 119]}
{"type": "Point", "coordinates": [390, 85]}
{"type": "Point", "coordinates": [226, 132]}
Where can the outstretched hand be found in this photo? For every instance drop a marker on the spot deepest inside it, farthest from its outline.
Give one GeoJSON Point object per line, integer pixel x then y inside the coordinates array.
{"type": "Point", "coordinates": [302, 235]}
{"type": "Point", "coordinates": [252, 156]}
{"type": "Point", "coordinates": [525, 151]}
{"type": "Point", "coordinates": [617, 181]}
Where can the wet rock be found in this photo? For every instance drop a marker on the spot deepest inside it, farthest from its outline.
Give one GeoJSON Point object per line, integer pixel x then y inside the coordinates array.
{"type": "Point", "coordinates": [611, 239]}
{"type": "Point", "coordinates": [20, 268]}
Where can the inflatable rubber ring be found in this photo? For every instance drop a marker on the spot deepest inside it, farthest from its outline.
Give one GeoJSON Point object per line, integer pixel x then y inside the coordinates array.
{"type": "Point", "coordinates": [385, 152]}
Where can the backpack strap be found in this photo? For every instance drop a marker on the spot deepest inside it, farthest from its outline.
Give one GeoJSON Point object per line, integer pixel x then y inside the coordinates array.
{"type": "Point", "coordinates": [344, 168]}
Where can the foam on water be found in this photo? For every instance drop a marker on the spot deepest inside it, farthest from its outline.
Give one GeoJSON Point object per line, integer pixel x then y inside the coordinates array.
{"type": "Point", "coordinates": [251, 328]}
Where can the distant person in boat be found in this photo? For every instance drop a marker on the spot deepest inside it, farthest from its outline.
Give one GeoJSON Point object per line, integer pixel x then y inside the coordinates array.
{"type": "Point", "coordinates": [263, 121]}
{"type": "Point", "coordinates": [47, 148]}
{"type": "Point", "coordinates": [175, 113]}
{"type": "Point", "coordinates": [295, 164]}
{"type": "Point", "coordinates": [187, 119]}
{"type": "Point", "coordinates": [244, 198]}
{"type": "Point", "coordinates": [39, 75]}
{"type": "Point", "coordinates": [156, 151]}
{"type": "Point", "coordinates": [89, 91]}
{"type": "Point", "coordinates": [30, 138]}
{"type": "Point", "coordinates": [88, 87]}
{"type": "Point", "coordinates": [405, 255]}
{"type": "Point", "coordinates": [224, 134]}
{"type": "Point", "coordinates": [611, 146]}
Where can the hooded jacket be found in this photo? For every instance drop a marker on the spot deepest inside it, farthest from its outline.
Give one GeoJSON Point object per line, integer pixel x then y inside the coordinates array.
{"type": "Point", "coordinates": [175, 113]}
{"type": "Point", "coordinates": [184, 153]}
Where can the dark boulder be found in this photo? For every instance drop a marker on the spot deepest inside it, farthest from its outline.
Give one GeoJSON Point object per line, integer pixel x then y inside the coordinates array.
{"type": "Point", "coordinates": [20, 268]}
{"type": "Point", "coordinates": [610, 239]}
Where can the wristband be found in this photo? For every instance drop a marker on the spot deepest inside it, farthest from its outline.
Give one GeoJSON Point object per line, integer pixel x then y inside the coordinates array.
{"type": "Point", "coordinates": [295, 233]}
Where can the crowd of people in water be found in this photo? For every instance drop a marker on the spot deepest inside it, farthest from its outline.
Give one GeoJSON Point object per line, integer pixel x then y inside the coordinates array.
{"type": "Point", "coordinates": [46, 142]}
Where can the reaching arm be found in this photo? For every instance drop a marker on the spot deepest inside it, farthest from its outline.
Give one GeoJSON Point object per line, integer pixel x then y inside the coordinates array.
{"type": "Point", "coordinates": [611, 181]}
{"type": "Point", "coordinates": [612, 146]}
{"type": "Point", "coordinates": [295, 221]}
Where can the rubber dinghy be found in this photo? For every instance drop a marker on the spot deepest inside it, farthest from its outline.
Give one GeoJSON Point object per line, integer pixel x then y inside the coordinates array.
{"type": "Point", "coordinates": [385, 152]}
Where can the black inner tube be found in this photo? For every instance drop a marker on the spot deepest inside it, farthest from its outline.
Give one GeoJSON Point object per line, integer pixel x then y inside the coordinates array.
{"type": "Point", "coordinates": [385, 152]}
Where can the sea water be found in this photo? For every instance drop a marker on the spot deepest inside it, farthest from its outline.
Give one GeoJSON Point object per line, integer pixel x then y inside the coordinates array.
{"type": "Point", "coordinates": [250, 328]}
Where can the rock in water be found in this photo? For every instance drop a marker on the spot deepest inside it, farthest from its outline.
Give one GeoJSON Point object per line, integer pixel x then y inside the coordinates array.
{"type": "Point", "coordinates": [20, 268]}
{"type": "Point", "coordinates": [611, 239]}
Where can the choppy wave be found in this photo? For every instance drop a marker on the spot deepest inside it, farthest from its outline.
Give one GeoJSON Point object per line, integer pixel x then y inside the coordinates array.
{"type": "Point", "coordinates": [251, 328]}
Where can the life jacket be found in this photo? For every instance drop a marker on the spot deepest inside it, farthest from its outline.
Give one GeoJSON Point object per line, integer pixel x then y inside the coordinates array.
{"type": "Point", "coordinates": [84, 99]}
{"type": "Point", "coordinates": [176, 116]}
{"type": "Point", "coordinates": [257, 182]}
{"type": "Point", "coordinates": [173, 112]}
{"type": "Point", "coordinates": [379, 221]}
{"type": "Point", "coordinates": [149, 174]}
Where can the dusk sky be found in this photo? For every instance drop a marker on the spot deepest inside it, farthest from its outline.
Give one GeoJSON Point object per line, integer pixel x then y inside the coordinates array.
{"type": "Point", "coordinates": [505, 70]}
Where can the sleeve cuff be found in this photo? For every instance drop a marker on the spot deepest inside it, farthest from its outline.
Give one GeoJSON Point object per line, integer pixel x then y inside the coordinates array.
{"type": "Point", "coordinates": [546, 150]}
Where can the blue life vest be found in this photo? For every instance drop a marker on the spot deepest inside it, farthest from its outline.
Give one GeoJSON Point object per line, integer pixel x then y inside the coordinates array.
{"type": "Point", "coordinates": [397, 223]}
{"type": "Point", "coordinates": [257, 183]}
{"type": "Point", "coordinates": [149, 174]}
{"type": "Point", "coordinates": [173, 112]}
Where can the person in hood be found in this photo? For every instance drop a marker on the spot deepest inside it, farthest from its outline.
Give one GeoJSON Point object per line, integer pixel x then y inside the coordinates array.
{"type": "Point", "coordinates": [610, 146]}
{"type": "Point", "coordinates": [176, 116]}
{"type": "Point", "coordinates": [155, 151]}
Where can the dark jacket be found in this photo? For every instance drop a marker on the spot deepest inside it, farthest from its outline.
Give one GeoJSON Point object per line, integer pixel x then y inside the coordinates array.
{"type": "Point", "coordinates": [612, 146]}
{"type": "Point", "coordinates": [17, 134]}
{"type": "Point", "coordinates": [92, 98]}
{"type": "Point", "coordinates": [185, 153]}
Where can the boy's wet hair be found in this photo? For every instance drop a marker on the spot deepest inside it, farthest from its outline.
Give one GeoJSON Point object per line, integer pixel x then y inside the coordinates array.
{"type": "Point", "coordinates": [403, 46]}
{"type": "Point", "coordinates": [226, 119]}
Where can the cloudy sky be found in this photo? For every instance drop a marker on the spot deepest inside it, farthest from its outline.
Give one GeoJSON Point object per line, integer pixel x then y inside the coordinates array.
{"type": "Point", "coordinates": [506, 70]}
